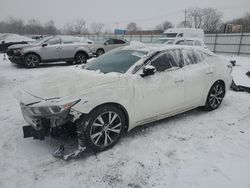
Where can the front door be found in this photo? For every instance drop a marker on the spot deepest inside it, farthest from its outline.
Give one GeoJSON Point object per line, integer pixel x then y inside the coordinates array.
{"type": "Point", "coordinates": [53, 50]}
{"type": "Point", "coordinates": [162, 93]}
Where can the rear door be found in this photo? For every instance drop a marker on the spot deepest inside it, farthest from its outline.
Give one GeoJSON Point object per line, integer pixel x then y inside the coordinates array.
{"type": "Point", "coordinates": [69, 47]}
{"type": "Point", "coordinates": [197, 76]}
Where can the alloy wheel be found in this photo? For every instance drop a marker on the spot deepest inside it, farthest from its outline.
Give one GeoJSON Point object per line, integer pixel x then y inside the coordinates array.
{"type": "Point", "coordinates": [31, 61]}
{"type": "Point", "coordinates": [81, 58]}
{"type": "Point", "coordinates": [216, 95]}
{"type": "Point", "coordinates": [105, 129]}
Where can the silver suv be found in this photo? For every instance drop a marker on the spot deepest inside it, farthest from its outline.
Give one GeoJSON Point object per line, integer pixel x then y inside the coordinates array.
{"type": "Point", "coordinates": [51, 49]}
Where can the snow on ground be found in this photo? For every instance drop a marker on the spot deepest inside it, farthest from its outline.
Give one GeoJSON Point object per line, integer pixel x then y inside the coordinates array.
{"type": "Point", "coordinates": [194, 149]}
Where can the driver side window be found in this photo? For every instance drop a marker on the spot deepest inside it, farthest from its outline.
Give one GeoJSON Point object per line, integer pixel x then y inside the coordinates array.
{"type": "Point", "coordinates": [53, 41]}
{"type": "Point", "coordinates": [161, 63]}
{"type": "Point", "coordinates": [167, 60]}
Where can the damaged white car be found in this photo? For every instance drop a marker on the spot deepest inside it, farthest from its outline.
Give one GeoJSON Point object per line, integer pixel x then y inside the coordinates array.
{"type": "Point", "coordinates": [122, 89]}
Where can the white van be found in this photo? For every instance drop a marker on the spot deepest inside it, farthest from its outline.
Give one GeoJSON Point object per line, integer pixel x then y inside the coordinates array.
{"type": "Point", "coordinates": [184, 32]}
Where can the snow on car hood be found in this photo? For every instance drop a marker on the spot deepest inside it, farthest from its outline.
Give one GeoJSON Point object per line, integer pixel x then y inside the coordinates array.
{"type": "Point", "coordinates": [15, 46]}
{"type": "Point", "coordinates": [66, 82]}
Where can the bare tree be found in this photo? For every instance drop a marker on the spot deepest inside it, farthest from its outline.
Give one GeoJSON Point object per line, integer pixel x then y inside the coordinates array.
{"type": "Point", "coordinates": [50, 28]}
{"type": "Point", "coordinates": [96, 27]}
{"type": "Point", "coordinates": [164, 26]}
{"type": "Point", "coordinates": [80, 26]}
{"type": "Point", "coordinates": [244, 21]}
{"type": "Point", "coordinates": [15, 25]}
{"type": "Point", "coordinates": [208, 19]}
{"type": "Point", "coordinates": [69, 28]}
{"type": "Point", "coordinates": [194, 17]}
{"type": "Point", "coordinates": [34, 27]}
{"type": "Point", "coordinates": [132, 26]}
{"type": "Point", "coordinates": [211, 20]}
{"type": "Point", "coordinates": [184, 24]}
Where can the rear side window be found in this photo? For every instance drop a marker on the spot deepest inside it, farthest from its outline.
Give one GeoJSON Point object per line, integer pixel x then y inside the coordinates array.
{"type": "Point", "coordinates": [117, 41]}
{"type": "Point", "coordinates": [110, 41]}
{"type": "Point", "coordinates": [68, 40]}
{"type": "Point", "coordinates": [191, 57]}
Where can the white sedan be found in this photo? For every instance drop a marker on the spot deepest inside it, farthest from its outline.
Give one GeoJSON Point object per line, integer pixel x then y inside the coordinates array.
{"type": "Point", "coordinates": [122, 89]}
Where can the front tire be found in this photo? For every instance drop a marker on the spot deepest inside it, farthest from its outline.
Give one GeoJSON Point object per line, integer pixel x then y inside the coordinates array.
{"type": "Point", "coordinates": [31, 61]}
{"type": "Point", "coordinates": [215, 96]}
{"type": "Point", "coordinates": [104, 127]}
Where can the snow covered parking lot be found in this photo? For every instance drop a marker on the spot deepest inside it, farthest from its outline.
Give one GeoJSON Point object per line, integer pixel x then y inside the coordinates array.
{"type": "Point", "coordinates": [194, 149]}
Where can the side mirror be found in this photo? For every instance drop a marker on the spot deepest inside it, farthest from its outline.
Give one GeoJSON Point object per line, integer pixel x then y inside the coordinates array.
{"type": "Point", "coordinates": [148, 70]}
{"type": "Point", "coordinates": [233, 62]}
{"type": "Point", "coordinates": [44, 44]}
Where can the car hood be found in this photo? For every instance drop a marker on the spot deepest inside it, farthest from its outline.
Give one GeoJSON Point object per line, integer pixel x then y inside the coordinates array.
{"type": "Point", "coordinates": [64, 83]}
{"type": "Point", "coordinates": [15, 46]}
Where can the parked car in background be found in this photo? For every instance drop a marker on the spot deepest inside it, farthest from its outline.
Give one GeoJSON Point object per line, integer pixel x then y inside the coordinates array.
{"type": "Point", "coordinates": [125, 88]}
{"type": "Point", "coordinates": [51, 49]}
{"type": "Point", "coordinates": [181, 41]}
{"type": "Point", "coordinates": [101, 47]}
{"type": "Point", "coordinates": [9, 39]}
{"type": "Point", "coordinates": [184, 32]}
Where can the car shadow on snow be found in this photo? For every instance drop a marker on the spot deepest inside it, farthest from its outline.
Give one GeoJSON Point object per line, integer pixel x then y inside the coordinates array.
{"type": "Point", "coordinates": [166, 122]}
{"type": "Point", "coordinates": [70, 143]}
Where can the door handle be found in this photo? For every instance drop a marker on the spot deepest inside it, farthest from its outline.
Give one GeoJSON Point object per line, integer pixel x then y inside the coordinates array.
{"type": "Point", "coordinates": [58, 47]}
{"type": "Point", "coordinates": [179, 81]}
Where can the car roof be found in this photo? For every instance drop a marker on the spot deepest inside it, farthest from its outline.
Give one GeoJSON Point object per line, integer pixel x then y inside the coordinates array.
{"type": "Point", "coordinates": [181, 38]}
{"type": "Point", "coordinates": [161, 47]}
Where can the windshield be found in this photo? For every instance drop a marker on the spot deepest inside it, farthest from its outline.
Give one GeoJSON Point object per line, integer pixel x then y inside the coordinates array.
{"type": "Point", "coordinates": [115, 61]}
{"type": "Point", "coordinates": [170, 35]}
{"type": "Point", "coordinates": [162, 41]}
{"type": "Point", "coordinates": [42, 40]}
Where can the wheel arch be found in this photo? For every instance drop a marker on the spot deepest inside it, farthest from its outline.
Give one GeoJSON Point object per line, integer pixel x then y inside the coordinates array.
{"type": "Point", "coordinates": [81, 51]}
{"type": "Point", "coordinates": [101, 48]}
{"type": "Point", "coordinates": [31, 52]}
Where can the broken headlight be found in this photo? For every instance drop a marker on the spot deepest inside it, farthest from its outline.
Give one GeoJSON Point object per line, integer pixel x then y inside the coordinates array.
{"type": "Point", "coordinates": [50, 109]}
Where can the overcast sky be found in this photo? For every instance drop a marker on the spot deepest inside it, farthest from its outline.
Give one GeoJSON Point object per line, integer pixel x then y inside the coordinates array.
{"type": "Point", "coordinates": [146, 13]}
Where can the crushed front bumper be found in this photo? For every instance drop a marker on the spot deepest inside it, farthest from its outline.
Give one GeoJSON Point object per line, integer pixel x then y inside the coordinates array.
{"type": "Point", "coordinates": [16, 59]}
{"type": "Point", "coordinates": [29, 131]}
{"type": "Point", "coordinates": [41, 127]}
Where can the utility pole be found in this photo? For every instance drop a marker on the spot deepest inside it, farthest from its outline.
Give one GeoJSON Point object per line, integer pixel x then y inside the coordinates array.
{"type": "Point", "coordinates": [185, 23]}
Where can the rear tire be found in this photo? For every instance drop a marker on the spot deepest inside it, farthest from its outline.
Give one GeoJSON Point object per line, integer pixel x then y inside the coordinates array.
{"type": "Point", "coordinates": [100, 52]}
{"type": "Point", "coordinates": [215, 96]}
{"type": "Point", "coordinates": [31, 60]}
{"type": "Point", "coordinates": [104, 127]}
{"type": "Point", "coordinates": [81, 58]}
